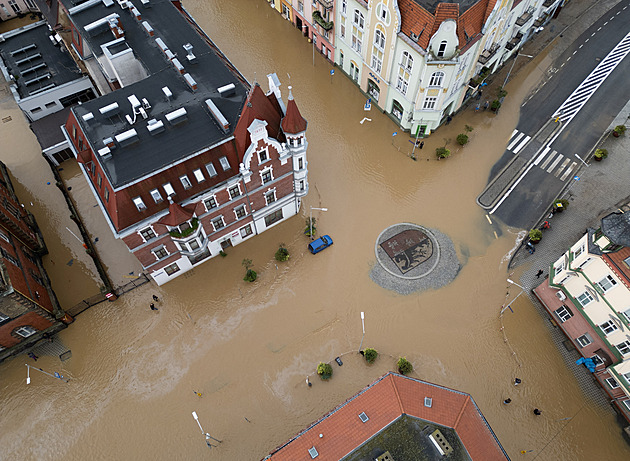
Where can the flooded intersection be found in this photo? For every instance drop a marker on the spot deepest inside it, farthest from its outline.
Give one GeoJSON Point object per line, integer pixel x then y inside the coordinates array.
{"type": "Point", "coordinates": [247, 348]}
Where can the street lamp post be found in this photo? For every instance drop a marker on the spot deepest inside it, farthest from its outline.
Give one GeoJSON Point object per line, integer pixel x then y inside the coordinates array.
{"type": "Point", "coordinates": [362, 326]}
{"type": "Point", "coordinates": [510, 71]}
{"type": "Point", "coordinates": [580, 159]}
{"type": "Point", "coordinates": [310, 221]}
{"type": "Point", "coordinates": [28, 374]}
{"type": "Point", "coordinates": [510, 303]}
{"type": "Point", "coordinates": [208, 436]}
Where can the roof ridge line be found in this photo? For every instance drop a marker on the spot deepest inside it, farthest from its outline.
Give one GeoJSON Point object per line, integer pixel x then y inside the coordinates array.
{"type": "Point", "coordinates": [400, 405]}
{"type": "Point", "coordinates": [461, 411]}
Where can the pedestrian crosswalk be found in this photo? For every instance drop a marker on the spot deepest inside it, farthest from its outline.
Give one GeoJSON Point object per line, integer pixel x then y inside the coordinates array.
{"type": "Point", "coordinates": [518, 140]}
{"type": "Point", "coordinates": [583, 93]}
{"type": "Point", "coordinates": [555, 163]}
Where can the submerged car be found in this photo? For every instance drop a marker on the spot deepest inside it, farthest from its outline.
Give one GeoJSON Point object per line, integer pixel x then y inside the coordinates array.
{"type": "Point", "coordinates": [320, 244]}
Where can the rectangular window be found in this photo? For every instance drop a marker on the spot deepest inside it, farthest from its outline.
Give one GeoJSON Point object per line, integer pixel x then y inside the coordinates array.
{"type": "Point", "coordinates": [4, 318]}
{"type": "Point", "coordinates": [193, 244]}
{"type": "Point", "coordinates": [584, 298]}
{"type": "Point", "coordinates": [402, 84]}
{"type": "Point", "coordinates": [240, 212]}
{"type": "Point", "coordinates": [157, 197]}
{"type": "Point", "coordinates": [99, 180]}
{"type": "Point", "coordinates": [218, 223]}
{"type": "Point", "coordinates": [578, 252]}
{"type": "Point", "coordinates": [170, 270]}
{"type": "Point", "coordinates": [584, 340]}
{"type": "Point", "coordinates": [300, 163]}
{"type": "Point", "coordinates": [302, 185]}
{"type": "Point", "coordinates": [624, 347]}
{"type": "Point", "coordinates": [211, 170]}
{"type": "Point", "coordinates": [627, 377]}
{"type": "Point", "coordinates": [270, 197]}
{"type": "Point", "coordinates": [185, 182]}
{"type": "Point", "coordinates": [626, 403]}
{"type": "Point", "coordinates": [273, 217]}
{"type": "Point", "coordinates": [263, 155]}
{"type": "Point", "coordinates": [429, 103]}
{"type": "Point", "coordinates": [50, 105]}
{"type": "Point", "coordinates": [607, 283]}
{"type": "Point", "coordinates": [564, 313]}
{"type": "Point", "coordinates": [342, 34]}
{"type": "Point", "coordinates": [626, 314]}
{"type": "Point", "coordinates": [168, 189]}
{"type": "Point", "coordinates": [107, 195]}
{"type": "Point", "coordinates": [300, 6]}
{"type": "Point", "coordinates": [597, 360]}
{"type": "Point", "coordinates": [26, 331]}
{"type": "Point", "coordinates": [234, 191]}
{"type": "Point", "coordinates": [584, 263]}
{"type": "Point", "coordinates": [4, 237]}
{"type": "Point", "coordinates": [147, 234]}
{"type": "Point", "coordinates": [139, 204]}
{"type": "Point", "coordinates": [559, 268]}
{"type": "Point", "coordinates": [199, 175]}
{"type": "Point", "coordinates": [608, 327]}
{"type": "Point", "coordinates": [224, 163]}
{"type": "Point", "coordinates": [246, 230]}
{"type": "Point", "coordinates": [210, 203]}
{"type": "Point", "coordinates": [266, 176]}
{"type": "Point", "coordinates": [612, 382]}
{"type": "Point", "coordinates": [160, 252]}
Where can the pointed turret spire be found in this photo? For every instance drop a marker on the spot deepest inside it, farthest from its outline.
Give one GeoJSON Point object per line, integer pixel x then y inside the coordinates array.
{"type": "Point", "coordinates": [293, 122]}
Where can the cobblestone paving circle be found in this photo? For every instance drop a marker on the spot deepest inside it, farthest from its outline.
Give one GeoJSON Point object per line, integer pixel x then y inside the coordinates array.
{"type": "Point", "coordinates": [412, 258]}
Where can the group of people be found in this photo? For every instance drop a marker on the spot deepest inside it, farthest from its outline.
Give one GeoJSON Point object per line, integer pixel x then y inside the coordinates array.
{"type": "Point", "coordinates": [152, 305]}
{"type": "Point", "coordinates": [507, 401]}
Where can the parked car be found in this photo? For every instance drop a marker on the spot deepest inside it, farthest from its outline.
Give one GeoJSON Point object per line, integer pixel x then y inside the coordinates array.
{"type": "Point", "coordinates": [320, 244]}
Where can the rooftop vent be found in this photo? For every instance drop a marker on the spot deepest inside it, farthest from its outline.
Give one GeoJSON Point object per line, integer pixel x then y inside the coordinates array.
{"type": "Point", "coordinates": [363, 417]}
{"type": "Point", "coordinates": [443, 447]}
{"type": "Point", "coordinates": [428, 402]}
{"type": "Point", "coordinates": [116, 28]}
{"type": "Point", "coordinates": [147, 28]}
{"type": "Point", "coordinates": [87, 117]}
{"type": "Point", "coordinates": [28, 59]}
{"type": "Point", "coordinates": [169, 55]}
{"type": "Point", "coordinates": [24, 49]}
{"type": "Point", "coordinates": [227, 90]}
{"type": "Point", "coordinates": [385, 457]}
{"type": "Point", "coordinates": [178, 65]}
{"type": "Point", "coordinates": [414, 37]}
{"type": "Point", "coordinates": [155, 126]}
{"type": "Point", "coordinates": [39, 78]}
{"type": "Point", "coordinates": [145, 104]}
{"type": "Point", "coordinates": [161, 44]}
{"type": "Point", "coordinates": [109, 142]}
{"type": "Point", "coordinates": [33, 69]}
{"type": "Point", "coordinates": [313, 452]}
{"type": "Point", "coordinates": [110, 109]}
{"type": "Point", "coordinates": [127, 138]}
{"type": "Point", "coordinates": [42, 89]}
{"type": "Point", "coordinates": [218, 116]}
{"type": "Point", "coordinates": [191, 82]}
{"type": "Point", "coordinates": [135, 102]}
{"type": "Point", "coordinates": [177, 116]}
{"type": "Point", "coordinates": [108, 3]}
{"type": "Point", "coordinates": [167, 92]}
{"type": "Point", "coordinates": [189, 54]}
{"type": "Point", "coordinates": [136, 13]}
{"type": "Point", "coordinates": [100, 25]}
{"type": "Point", "coordinates": [146, 3]}
{"type": "Point", "coordinates": [104, 152]}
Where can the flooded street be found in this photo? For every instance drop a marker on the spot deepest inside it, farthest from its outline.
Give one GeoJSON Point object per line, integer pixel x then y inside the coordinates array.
{"type": "Point", "coordinates": [249, 347]}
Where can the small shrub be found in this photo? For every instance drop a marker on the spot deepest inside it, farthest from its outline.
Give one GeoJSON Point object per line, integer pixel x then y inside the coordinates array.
{"type": "Point", "coordinates": [462, 139]}
{"type": "Point", "coordinates": [501, 93]}
{"type": "Point", "coordinates": [370, 355]}
{"type": "Point", "coordinates": [620, 129]}
{"type": "Point", "coordinates": [564, 204]}
{"type": "Point", "coordinates": [404, 366]}
{"type": "Point", "coordinates": [223, 253]}
{"type": "Point", "coordinates": [282, 254]}
{"type": "Point", "coordinates": [250, 275]}
{"type": "Point", "coordinates": [495, 105]}
{"type": "Point", "coordinates": [535, 235]}
{"type": "Point", "coordinates": [468, 128]}
{"type": "Point", "coordinates": [324, 370]}
{"type": "Point", "coordinates": [601, 153]}
{"type": "Point", "coordinates": [442, 152]}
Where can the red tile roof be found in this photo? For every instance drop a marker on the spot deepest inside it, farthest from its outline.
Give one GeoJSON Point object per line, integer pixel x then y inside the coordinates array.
{"type": "Point", "coordinates": [617, 264]}
{"type": "Point", "coordinates": [177, 214]}
{"type": "Point", "coordinates": [384, 401]}
{"type": "Point", "coordinates": [417, 20]}
{"type": "Point", "coordinates": [293, 122]}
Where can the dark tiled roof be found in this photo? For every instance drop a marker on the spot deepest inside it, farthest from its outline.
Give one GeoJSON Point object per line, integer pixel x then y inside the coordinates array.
{"type": "Point", "coordinates": [34, 61]}
{"type": "Point", "coordinates": [47, 129]}
{"type": "Point", "coordinates": [616, 226]}
{"type": "Point", "coordinates": [384, 401]}
{"type": "Point", "coordinates": [210, 71]}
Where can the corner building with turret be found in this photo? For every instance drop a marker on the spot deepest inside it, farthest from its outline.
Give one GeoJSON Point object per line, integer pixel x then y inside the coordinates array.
{"type": "Point", "coordinates": [183, 155]}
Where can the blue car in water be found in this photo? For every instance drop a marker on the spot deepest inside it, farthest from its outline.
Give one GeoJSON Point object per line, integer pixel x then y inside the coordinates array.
{"type": "Point", "coordinates": [320, 244]}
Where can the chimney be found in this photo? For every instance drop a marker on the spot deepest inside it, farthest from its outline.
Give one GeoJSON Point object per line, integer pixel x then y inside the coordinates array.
{"type": "Point", "coordinates": [147, 28]}
{"type": "Point", "coordinates": [116, 28]}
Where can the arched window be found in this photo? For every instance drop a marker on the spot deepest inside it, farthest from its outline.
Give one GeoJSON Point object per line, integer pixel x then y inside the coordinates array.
{"type": "Point", "coordinates": [442, 49]}
{"type": "Point", "coordinates": [406, 62]}
{"type": "Point", "coordinates": [397, 110]}
{"type": "Point", "coordinates": [436, 79]}
{"type": "Point", "coordinates": [377, 51]}
{"type": "Point", "coordinates": [358, 22]}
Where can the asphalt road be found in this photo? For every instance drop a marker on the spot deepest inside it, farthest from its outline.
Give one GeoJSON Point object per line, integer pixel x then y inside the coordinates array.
{"type": "Point", "coordinates": [539, 186]}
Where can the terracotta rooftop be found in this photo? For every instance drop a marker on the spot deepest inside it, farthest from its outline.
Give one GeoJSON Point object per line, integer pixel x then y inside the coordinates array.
{"type": "Point", "coordinates": [617, 262]}
{"type": "Point", "coordinates": [416, 18]}
{"type": "Point", "coordinates": [293, 122]}
{"type": "Point", "coordinates": [386, 400]}
{"type": "Point", "coordinates": [177, 214]}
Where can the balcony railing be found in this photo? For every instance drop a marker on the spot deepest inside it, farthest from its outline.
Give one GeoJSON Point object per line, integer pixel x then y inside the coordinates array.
{"type": "Point", "coordinates": [548, 3]}
{"type": "Point", "coordinates": [523, 18]}
{"type": "Point", "coordinates": [514, 42]}
{"type": "Point", "coordinates": [486, 55]}
{"type": "Point", "coordinates": [326, 25]}
{"type": "Point", "coordinates": [328, 4]}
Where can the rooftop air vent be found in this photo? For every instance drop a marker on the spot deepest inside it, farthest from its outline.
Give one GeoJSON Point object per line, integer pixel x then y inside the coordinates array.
{"type": "Point", "coordinates": [127, 138]}
{"type": "Point", "coordinates": [147, 28]}
{"type": "Point", "coordinates": [169, 55]}
{"type": "Point", "coordinates": [561, 296]}
{"type": "Point", "coordinates": [108, 3]}
{"type": "Point", "coordinates": [227, 90]}
{"type": "Point", "coordinates": [33, 69]}
{"type": "Point", "coordinates": [428, 402]}
{"type": "Point", "coordinates": [218, 116]}
{"type": "Point", "coordinates": [189, 54]}
{"type": "Point", "coordinates": [110, 109]}
{"type": "Point", "coordinates": [441, 444]}
{"type": "Point", "coordinates": [135, 102]}
{"type": "Point", "coordinates": [87, 117]}
{"type": "Point", "coordinates": [155, 126]}
{"type": "Point", "coordinates": [313, 452]}
{"type": "Point", "coordinates": [161, 44]}
{"type": "Point", "coordinates": [136, 13]}
{"type": "Point", "coordinates": [363, 417]}
{"type": "Point", "coordinates": [24, 49]}
{"type": "Point", "coordinates": [177, 116]}
{"type": "Point", "coordinates": [100, 25]}
{"type": "Point", "coordinates": [191, 82]}
{"type": "Point", "coordinates": [414, 37]}
{"type": "Point", "coordinates": [104, 152]}
{"type": "Point", "coordinates": [167, 92]}
{"type": "Point", "coordinates": [109, 142]}
{"type": "Point", "coordinates": [146, 3]}
{"type": "Point", "coordinates": [178, 65]}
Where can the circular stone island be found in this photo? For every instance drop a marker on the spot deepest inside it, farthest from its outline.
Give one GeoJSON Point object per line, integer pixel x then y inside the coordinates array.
{"type": "Point", "coordinates": [411, 258]}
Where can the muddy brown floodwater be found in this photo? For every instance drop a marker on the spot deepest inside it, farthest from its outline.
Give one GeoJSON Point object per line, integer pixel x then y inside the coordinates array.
{"type": "Point", "coordinates": [248, 347]}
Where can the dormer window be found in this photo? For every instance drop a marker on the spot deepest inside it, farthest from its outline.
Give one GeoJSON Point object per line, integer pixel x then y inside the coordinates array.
{"type": "Point", "coordinates": [168, 189]}
{"type": "Point", "coordinates": [211, 170]}
{"type": "Point", "coordinates": [442, 49]}
{"type": "Point", "coordinates": [185, 182]}
{"type": "Point", "coordinates": [224, 163]}
{"type": "Point", "coordinates": [199, 175]}
{"type": "Point", "coordinates": [157, 197]}
{"type": "Point", "coordinates": [160, 252]}
{"type": "Point", "coordinates": [139, 204]}
{"type": "Point", "coordinates": [218, 223]}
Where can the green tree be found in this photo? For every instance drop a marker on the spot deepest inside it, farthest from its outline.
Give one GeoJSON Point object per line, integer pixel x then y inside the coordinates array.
{"type": "Point", "coordinates": [250, 274]}
{"type": "Point", "coordinates": [404, 366]}
{"type": "Point", "coordinates": [370, 355]}
{"type": "Point", "coordinates": [282, 254]}
{"type": "Point", "coordinates": [324, 370]}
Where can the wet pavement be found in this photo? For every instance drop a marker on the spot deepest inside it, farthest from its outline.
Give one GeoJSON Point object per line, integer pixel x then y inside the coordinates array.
{"type": "Point", "coordinates": [247, 348]}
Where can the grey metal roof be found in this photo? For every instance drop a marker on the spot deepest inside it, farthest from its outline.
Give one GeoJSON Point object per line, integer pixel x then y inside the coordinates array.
{"type": "Point", "coordinates": [616, 226]}
{"type": "Point", "coordinates": [33, 60]}
{"type": "Point", "coordinates": [144, 152]}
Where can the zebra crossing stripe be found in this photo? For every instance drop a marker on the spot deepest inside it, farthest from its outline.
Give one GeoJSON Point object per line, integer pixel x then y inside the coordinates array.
{"type": "Point", "coordinates": [518, 148]}
{"type": "Point", "coordinates": [587, 88]}
{"type": "Point", "coordinates": [513, 143]}
{"type": "Point", "coordinates": [555, 162]}
{"type": "Point", "coordinates": [568, 171]}
{"type": "Point", "coordinates": [559, 170]}
{"type": "Point", "coordinates": [541, 156]}
{"type": "Point", "coordinates": [544, 165]}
